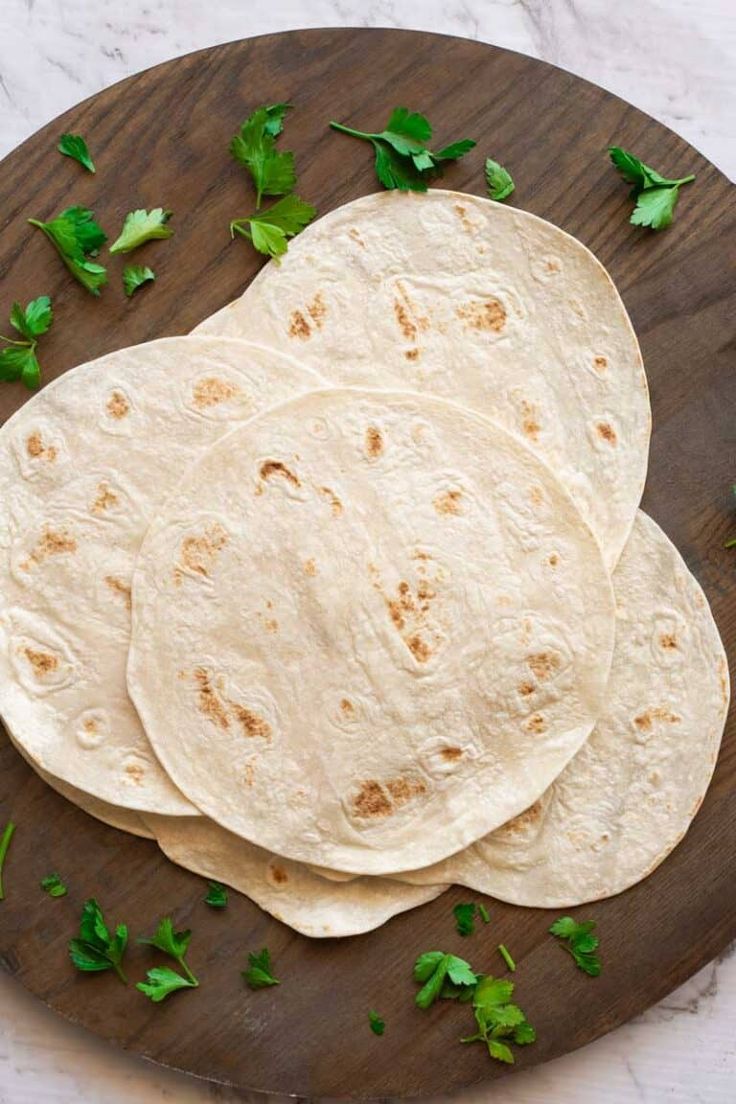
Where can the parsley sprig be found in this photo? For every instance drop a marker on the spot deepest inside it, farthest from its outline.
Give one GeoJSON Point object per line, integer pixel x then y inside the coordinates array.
{"type": "Point", "coordinates": [53, 885]}
{"type": "Point", "coordinates": [259, 973]}
{"type": "Point", "coordinates": [74, 146]}
{"type": "Point", "coordinates": [216, 895]}
{"type": "Point", "coordinates": [134, 276]}
{"type": "Point", "coordinates": [435, 969]}
{"type": "Point", "coordinates": [163, 980]}
{"type": "Point", "coordinates": [403, 159]}
{"type": "Point", "coordinates": [655, 195]}
{"type": "Point", "coordinates": [499, 1021]}
{"type": "Point", "coordinates": [499, 181]}
{"type": "Point", "coordinates": [378, 1025]}
{"type": "Point", "coordinates": [269, 230]}
{"type": "Point", "coordinates": [254, 146]}
{"type": "Point", "coordinates": [95, 949]}
{"type": "Point", "coordinates": [579, 940]}
{"type": "Point", "coordinates": [142, 226]}
{"type": "Point", "coordinates": [18, 359]}
{"type": "Point", "coordinates": [4, 845]}
{"type": "Point", "coordinates": [77, 237]}
{"type": "Point", "coordinates": [464, 914]}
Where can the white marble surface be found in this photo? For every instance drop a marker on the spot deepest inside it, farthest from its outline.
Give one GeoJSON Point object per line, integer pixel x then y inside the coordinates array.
{"type": "Point", "coordinates": [675, 59]}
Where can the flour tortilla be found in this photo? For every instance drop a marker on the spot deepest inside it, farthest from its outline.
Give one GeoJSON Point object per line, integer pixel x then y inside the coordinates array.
{"type": "Point", "coordinates": [480, 303]}
{"type": "Point", "coordinates": [85, 464]}
{"type": "Point", "coordinates": [629, 795]}
{"type": "Point", "coordinates": [367, 628]}
{"type": "Point", "coordinates": [287, 890]}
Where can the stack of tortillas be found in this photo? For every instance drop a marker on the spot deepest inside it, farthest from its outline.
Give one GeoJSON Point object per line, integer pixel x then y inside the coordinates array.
{"type": "Point", "coordinates": [347, 597]}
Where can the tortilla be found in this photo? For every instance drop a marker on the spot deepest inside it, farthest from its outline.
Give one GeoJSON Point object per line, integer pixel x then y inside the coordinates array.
{"type": "Point", "coordinates": [395, 633]}
{"type": "Point", "coordinates": [480, 303]}
{"type": "Point", "coordinates": [288, 891]}
{"type": "Point", "coordinates": [85, 464]}
{"type": "Point", "coordinates": [629, 795]}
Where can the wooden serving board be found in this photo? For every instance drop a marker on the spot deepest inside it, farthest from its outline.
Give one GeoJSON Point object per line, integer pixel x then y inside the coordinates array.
{"type": "Point", "coordinates": [161, 138]}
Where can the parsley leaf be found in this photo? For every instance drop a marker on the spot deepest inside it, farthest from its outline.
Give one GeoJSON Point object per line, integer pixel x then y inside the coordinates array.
{"type": "Point", "coordinates": [402, 158]}
{"type": "Point", "coordinates": [499, 181]}
{"type": "Point", "coordinates": [465, 918]}
{"type": "Point", "coordinates": [254, 146]}
{"type": "Point", "coordinates": [77, 237]}
{"type": "Point", "coordinates": [483, 913]}
{"type": "Point", "coordinates": [172, 943]}
{"type": "Point", "coordinates": [503, 951]}
{"type": "Point", "coordinates": [499, 1022]}
{"type": "Point", "coordinates": [269, 230]}
{"type": "Point", "coordinates": [580, 942]}
{"type": "Point", "coordinates": [53, 885]}
{"type": "Point", "coordinates": [162, 981]}
{"type": "Point", "coordinates": [4, 845]}
{"type": "Point", "coordinates": [74, 146]}
{"type": "Point", "coordinates": [134, 276]}
{"type": "Point", "coordinates": [258, 974]}
{"type": "Point", "coordinates": [217, 895]}
{"type": "Point", "coordinates": [141, 226]}
{"type": "Point", "coordinates": [18, 360]}
{"type": "Point", "coordinates": [378, 1026]}
{"type": "Point", "coordinates": [34, 320]}
{"type": "Point", "coordinates": [95, 949]}
{"type": "Point", "coordinates": [434, 969]}
{"type": "Point", "coordinates": [655, 195]}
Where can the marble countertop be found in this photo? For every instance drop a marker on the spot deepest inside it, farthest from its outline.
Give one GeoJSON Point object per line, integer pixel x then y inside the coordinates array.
{"type": "Point", "coordinates": [675, 59]}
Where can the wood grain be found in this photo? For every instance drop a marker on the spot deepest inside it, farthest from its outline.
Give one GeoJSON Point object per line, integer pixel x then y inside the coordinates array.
{"type": "Point", "coordinates": [160, 138]}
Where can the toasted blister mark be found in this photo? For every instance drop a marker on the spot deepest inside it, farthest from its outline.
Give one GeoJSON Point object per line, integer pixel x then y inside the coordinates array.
{"type": "Point", "coordinates": [404, 321]}
{"type": "Point", "coordinates": [600, 364]}
{"type": "Point", "coordinates": [135, 772]}
{"type": "Point", "coordinates": [544, 665]}
{"type": "Point", "coordinates": [223, 712]}
{"type": "Point", "coordinates": [645, 721]}
{"type": "Point", "coordinates": [376, 800]}
{"type": "Point", "coordinates": [310, 567]}
{"type": "Point", "coordinates": [271, 469]}
{"type": "Point", "coordinates": [536, 496]}
{"type": "Point", "coordinates": [408, 317]}
{"type": "Point", "coordinates": [251, 723]}
{"type": "Point", "coordinates": [412, 354]}
{"type": "Point", "coordinates": [210, 391]}
{"type": "Point", "coordinates": [42, 662]}
{"type": "Point", "coordinates": [329, 495]}
{"type": "Point", "coordinates": [317, 310]}
{"type": "Point", "coordinates": [53, 542]}
{"type": "Point", "coordinates": [535, 724]}
{"type": "Point", "coordinates": [526, 688]}
{"type": "Point", "coordinates": [553, 559]}
{"type": "Point", "coordinates": [199, 554]}
{"type": "Point", "coordinates": [529, 820]}
{"type": "Point", "coordinates": [545, 267]}
{"type": "Point", "coordinates": [606, 433]}
{"type": "Point", "coordinates": [723, 679]}
{"type": "Point", "coordinates": [277, 875]}
{"type": "Point", "coordinates": [668, 640]}
{"type": "Point", "coordinates": [487, 315]}
{"type": "Point", "coordinates": [92, 728]}
{"type": "Point", "coordinates": [209, 702]}
{"type": "Point", "coordinates": [462, 213]}
{"type": "Point", "coordinates": [451, 754]}
{"type": "Point", "coordinates": [373, 442]}
{"type": "Point", "coordinates": [298, 326]}
{"type": "Point", "coordinates": [37, 450]}
{"type": "Point", "coordinates": [530, 424]}
{"type": "Point", "coordinates": [449, 502]}
{"type": "Point", "coordinates": [117, 405]}
{"type": "Point", "coordinates": [249, 774]}
{"type": "Point", "coordinates": [410, 611]}
{"type": "Point", "coordinates": [104, 498]}
{"type": "Point", "coordinates": [354, 233]}
{"type": "Point", "coordinates": [120, 588]}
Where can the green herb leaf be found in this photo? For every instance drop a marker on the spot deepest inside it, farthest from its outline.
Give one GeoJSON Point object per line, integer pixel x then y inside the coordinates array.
{"type": "Point", "coordinates": [74, 145]}
{"type": "Point", "coordinates": [77, 237]}
{"type": "Point", "coordinates": [498, 1019]}
{"type": "Point", "coordinates": [162, 981]}
{"type": "Point", "coordinates": [483, 913]}
{"type": "Point", "coordinates": [655, 194]}
{"type": "Point", "coordinates": [492, 992]}
{"type": "Point", "coordinates": [397, 172]}
{"type": "Point", "coordinates": [426, 965]}
{"type": "Point", "coordinates": [254, 146]}
{"type": "Point", "coordinates": [500, 1051]}
{"type": "Point", "coordinates": [259, 974]}
{"type": "Point", "coordinates": [134, 276]}
{"type": "Point", "coordinates": [378, 1026]}
{"type": "Point", "coordinates": [524, 1034]}
{"type": "Point", "coordinates": [499, 181]}
{"type": "Point", "coordinates": [465, 918]}
{"type": "Point", "coordinates": [95, 949]}
{"type": "Point", "coordinates": [53, 885]}
{"type": "Point", "coordinates": [141, 226]}
{"type": "Point", "coordinates": [34, 320]}
{"type": "Point", "coordinates": [216, 896]}
{"type": "Point", "coordinates": [4, 845]}
{"type": "Point", "coordinates": [503, 951]}
{"type": "Point", "coordinates": [171, 942]}
{"type": "Point", "coordinates": [269, 230]}
{"type": "Point", "coordinates": [435, 968]}
{"type": "Point", "coordinates": [20, 362]}
{"type": "Point", "coordinates": [580, 942]}
{"type": "Point", "coordinates": [655, 208]}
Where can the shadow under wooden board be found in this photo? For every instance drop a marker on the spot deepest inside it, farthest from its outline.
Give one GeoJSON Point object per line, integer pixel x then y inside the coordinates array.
{"type": "Point", "coordinates": [161, 138]}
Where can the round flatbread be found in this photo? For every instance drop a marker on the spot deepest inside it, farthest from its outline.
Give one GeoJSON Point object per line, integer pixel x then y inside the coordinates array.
{"type": "Point", "coordinates": [311, 905]}
{"type": "Point", "coordinates": [629, 795]}
{"type": "Point", "coordinates": [368, 627]}
{"type": "Point", "coordinates": [480, 303]}
{"type": "Point", "coordinates": [85, 464]}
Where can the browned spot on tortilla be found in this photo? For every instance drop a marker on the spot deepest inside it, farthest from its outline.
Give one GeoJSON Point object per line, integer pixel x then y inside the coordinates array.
{"type": "Point", "coordinates": [119, 586]}
{"type": "Point", "coordinates": [371, 801]}
{"type": "Point", "coordinates": [334, 501]}
{"type": "Point", "coordinates": [483, 315]}
{"type": "Point", "coordinates": [419, 648]}
{"type": "Point", "coordinates": [347, 707]}
{"type": "Point", "coordinates": [644, 720]}
{"type": "Point", "coordinates": [211, 391]}
{"type": "Point", "coordinates": [553, 559]}
{"type": "Point", "coordinates": [600, 363]}
{"type": "Point", "coordinates": [373, 442]}
{"type": "Point", "coordinates": [249, 774]}
{"type": "Point", "coordinates": [543, 665]}
{"type": "Point", "coordinates": [310, 567]}
{"type": "Point", "coordinates": [277, 468]}
{"type": "Point", "coordinates": [552, 266]}
{"type": "Point", "coordinates": [526, 688]}
{"type": "Point", "coordinates": [105, 499]}
{"type": "Point", "coordinates": [208, 701]}
{"type": "Point", "coordinates": [723, 679]}
{"type": "Point", "coordinates": [136, 772]}
{"type": "Point", "coordinates": [606, 432]}
{"type": "Point", "coordinates": [36, 448]}
{"type": "Point", "coordinates": [271, 625]}
{"type": "Point", "coordinates": [117, 405]}
{"type": "Point", "coordinates": [355, 235]}
{"type": "Point", "coordinates": [536, 496]}
{"type": "Point", "coordinates": [394, 609]}
{"type": "Point", "coordinates": [404, 319]}
{"type": "Point", "coordinates": [298, 326]}
{"type": "Point", "coordinates": [451, 754]}
{"type": "Point", "coordinates": [250, 722]}
{"type": "Point", "coordinates": [278, 874]}
{"type": "Point", "coordinates": [536, 723]}
{"type": "Point", "coordinates": [668, 641]}
{"type": "Point", "coordinates": [41, 662]}
{"type": "Point", "coordinates": [530, 422]}
{"type": "Point", "coordinates": [403, 789]}
{"type": "Point", "coordinates": [52, 543]}
{"type": "Point", "coordinates": [90, 725]}
{"type": "Point", "coordinates": [448, 502]}
{"type": "Point", "coordinates": [199, 554]}
{"type": "Point", "coordinates": [412, 354]}
{"type": "Point", "coordinates": [318, 310]}
{"type": "Point", "coordinates": [523, 820]}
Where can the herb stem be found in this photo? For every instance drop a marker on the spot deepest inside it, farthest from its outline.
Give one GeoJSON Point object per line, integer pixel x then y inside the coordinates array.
{"type": "Point", "coordinates": [730, 543]}
{"type": "Point", "coordinates": [119, 971]}
{"type": "Point", "coordinates": [503, 951]}
{"type": "Point", "coordinates": [4, 845]}
{"type": "Point", "coordinates": [187, 971]}
{"type": "Point", "coordinates": [351, 132]}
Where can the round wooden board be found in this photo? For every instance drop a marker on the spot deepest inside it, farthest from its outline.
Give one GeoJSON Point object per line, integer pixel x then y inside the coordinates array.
{"type": "Point", "coordinates": [161, 138]}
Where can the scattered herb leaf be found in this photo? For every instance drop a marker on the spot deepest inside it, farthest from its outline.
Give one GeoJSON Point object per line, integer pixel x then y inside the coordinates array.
{"type": "Point", "coordinates": [499, 1021]}
{"type": "Point", "coordinates": [18, 359]}
{"type": "Point", "coordinates": [53, 885]}
{"type": "Point", "coordinates": [74, 146]}
{"type": "Point", "coordinates": [378, 1026]}
{"type": "Point", "coordinates": [254, 146]}
{"type": "Point", "coordinates": [34, 320]}
{"type": "Point", "coordinates": [95, 949]}
{"type": "Point", "coordinates": [268, 230]}
{"type": "Point", "coordinates": [655, 195]}
{"type": "Point", "coordinates": [258, 974]}
{"type": "Point", "coordinates": [141, 226]}
{"type": "Point", "coordinates": [171, 942]}
{"type": "Point", "coordinates": [402, 158]}
{"type": "Point", "coordinates": [134, 276]}
{"type": "Point", "coordinates": [4, 845]}
{"type": "Point", "coordinates": [504, 953]}
{"type": "Point", "coordinates": [162, 981]}
{"type": "Point", "coordinates": [77, 237]}
{"type": "Point", "coordinates": [434, 969]}
{"type": "Point", "coordinates": [216, 895]}
{"type": "Point", "coordinates": [499, 180]}
{"type": "Point", "coordinates": [465, 918]}
{"type": "Point", "coordinates": [580, 942]}
{"type": "Point", "coordinates": [483, 913]}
